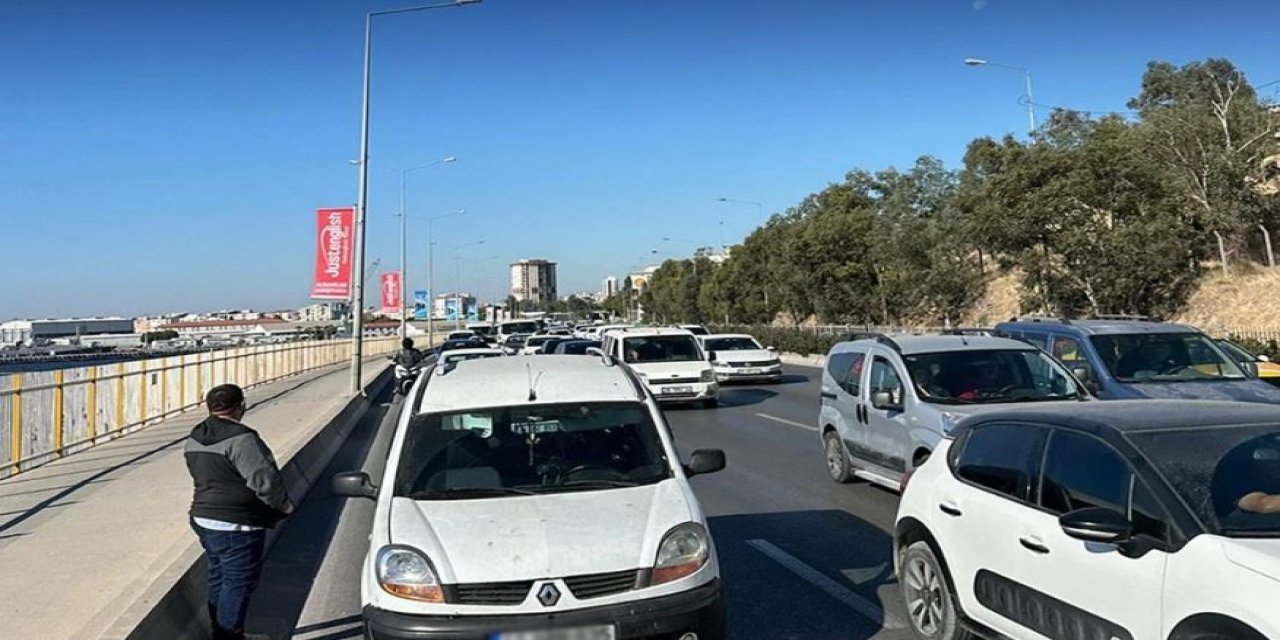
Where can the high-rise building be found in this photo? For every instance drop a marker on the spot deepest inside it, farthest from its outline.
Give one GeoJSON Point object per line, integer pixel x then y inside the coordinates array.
{"type": "Point", "coordinates": [610, 287]}
{"type": "Point", "coordinates": [533, 279]}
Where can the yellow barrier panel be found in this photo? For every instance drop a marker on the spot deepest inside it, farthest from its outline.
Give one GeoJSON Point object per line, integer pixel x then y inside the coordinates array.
{"type": "Point", "coordinates": [59, 425]}
{"type": "Point", "coordinates": [15, 421]}
{"type": "Point", "coordinates": [182, 381]}
{"type": "Point", "coordinates": [164, 387]}
{"type": "Point", "coordinates": [142, 394]}
{"type": "Point", "coordinates": [92, 401]}
{"type": "Point", "coordinates": [119, 397]}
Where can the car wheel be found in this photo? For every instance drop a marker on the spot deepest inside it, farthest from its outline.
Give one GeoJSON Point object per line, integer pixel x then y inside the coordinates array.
{"type": "Point", "coordinates": [930, 604]}
{"type": "Point", "coordinates": [837, 462]}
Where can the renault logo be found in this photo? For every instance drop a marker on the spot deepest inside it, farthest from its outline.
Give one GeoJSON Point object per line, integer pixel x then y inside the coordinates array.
{"type": "Point", "coordinates": [548, 595]}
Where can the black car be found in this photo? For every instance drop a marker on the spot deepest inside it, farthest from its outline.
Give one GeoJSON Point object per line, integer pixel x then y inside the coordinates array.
{"type": "Point", "coordinates": [575, 347]}
{"type": "Point", "coordinates": [549, 345]}
{"type": "Point", "coordinates": [469, 343]}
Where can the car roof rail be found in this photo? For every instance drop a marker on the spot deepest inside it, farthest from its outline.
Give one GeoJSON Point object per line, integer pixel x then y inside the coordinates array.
{"type": "Point", "coordinates": [1059, 320]}
{"type": "Point", "coordinates": [878, 337]}
{"type": "Point", "coordinates": [965, 331]}
{"type": "Point", "coordinates": [1121, 316]}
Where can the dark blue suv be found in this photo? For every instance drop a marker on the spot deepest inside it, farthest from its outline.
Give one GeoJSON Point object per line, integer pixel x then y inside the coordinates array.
{"type": "Point", "coordinates": [1120, 359]}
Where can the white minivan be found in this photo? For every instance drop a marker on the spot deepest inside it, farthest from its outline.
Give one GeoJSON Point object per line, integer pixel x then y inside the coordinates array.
{"type": "Point", "coordinates": [670, 361]}
{"type": "Point", "coordinates": [532, 498]}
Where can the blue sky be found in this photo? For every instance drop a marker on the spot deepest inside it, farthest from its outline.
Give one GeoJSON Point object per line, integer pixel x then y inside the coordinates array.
{"type": "Point", "coordinates": [169, 155]}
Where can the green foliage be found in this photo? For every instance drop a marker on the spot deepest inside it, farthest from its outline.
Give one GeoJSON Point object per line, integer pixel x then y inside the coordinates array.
{"type": "Point", "coordinates": [785, 339]}
{"type": "Point", "coordinates": [1099, 215]}
{"type": "Point", "coordinates": [158, 335]}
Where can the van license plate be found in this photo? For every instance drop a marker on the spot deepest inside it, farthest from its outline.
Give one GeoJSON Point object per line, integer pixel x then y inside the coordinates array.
{"type": "Point", "coordinates": [676, 390]}
{"type": "Point", "coordinates": [603, 632]}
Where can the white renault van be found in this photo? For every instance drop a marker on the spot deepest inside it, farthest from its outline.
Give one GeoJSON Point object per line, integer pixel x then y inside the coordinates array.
{"type": "Point", "coordinates": [669, 360]}
{"type": "Point", "coordinates": [533, 498]}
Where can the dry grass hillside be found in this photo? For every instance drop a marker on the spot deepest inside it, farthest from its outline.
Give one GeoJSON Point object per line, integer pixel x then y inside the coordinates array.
{"type": "Point", "coordinates": [1247, 301]}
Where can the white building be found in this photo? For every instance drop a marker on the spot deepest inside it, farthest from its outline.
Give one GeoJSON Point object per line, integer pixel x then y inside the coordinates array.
{"type": "Point", "coordinates": [443, 302]}
{"type": "Point", "coordinates": [533, 279]}
{"type": "Point", "coordinates": [610, 288]}
{"type": "Point", "coordinates": [323, 312]}
{"type": "Point", "coordinates": [27, 331]}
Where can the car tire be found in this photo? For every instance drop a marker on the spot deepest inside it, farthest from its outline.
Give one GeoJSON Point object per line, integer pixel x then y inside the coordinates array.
{"type": "Point", "coordinates": [931, 607]}
{"type": "Point", "coordinates": [838, 465]}
{"type": "Point", "coordinates": [710, 403]}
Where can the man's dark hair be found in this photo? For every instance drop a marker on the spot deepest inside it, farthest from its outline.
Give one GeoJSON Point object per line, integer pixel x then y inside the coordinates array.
{"type": "Point", "coordinates": [223, 398]}
{"type": "Point", "coordinates": [407, 343]}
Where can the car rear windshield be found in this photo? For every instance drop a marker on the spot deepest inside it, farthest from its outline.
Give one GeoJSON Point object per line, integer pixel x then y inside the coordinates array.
{"type": "Point", "coordinates": [1228, 476]}
{"type": "Point", "coordinates": [989, 376]}
{"type": "Point", "coordinates": [530, 449]}
{"type": "Point", "coordinates": [1164, 357]}
{"type": "Point", "coordinates": [576, 347]}
{"type": "Point", "coordinates": [679, 348]}
{"type": "Point", "coordinates": [509, 328]}
{"type": "Point", "coordinates": [732, 344]}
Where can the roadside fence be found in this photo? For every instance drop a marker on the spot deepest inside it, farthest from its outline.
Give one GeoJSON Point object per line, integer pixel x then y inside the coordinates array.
{"type": "Point", "coordinates": [45, 415]}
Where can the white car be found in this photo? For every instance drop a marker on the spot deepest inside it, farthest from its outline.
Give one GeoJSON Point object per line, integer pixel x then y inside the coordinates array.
{"type": "Point", "coordinates": [670, 361]}
{"type": "Point", "coordinates": [532, 498]}
{"type": "Point", "coordinates": [510, 328]}
{"type": "Point", "coordinates": [460, 335]}
{"type": "Point", "coordinates": [533, 344]}
{"type": "Point", "coordinates": [738, 357]}
{"type": "Point", "coordinates": [1134, 520]}
{"type": "Point", "coordinates": [459, 355]}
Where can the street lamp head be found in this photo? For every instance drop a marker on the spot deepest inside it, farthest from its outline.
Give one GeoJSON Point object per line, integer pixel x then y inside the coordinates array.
{"type": "Point", "coordinates": [722, 200]}
{"type": "Point", "coordinates": [974, 62]}
{"type": "Point", "coordinates": [449, 159]}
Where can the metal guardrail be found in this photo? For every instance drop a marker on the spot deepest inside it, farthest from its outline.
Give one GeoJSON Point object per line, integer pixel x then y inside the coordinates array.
{"type": "Point", "coordinates": [45, 415]}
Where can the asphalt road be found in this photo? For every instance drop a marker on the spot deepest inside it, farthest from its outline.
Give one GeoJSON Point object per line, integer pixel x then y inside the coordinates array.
{"type": "Point", "coordinates": [801, 557]}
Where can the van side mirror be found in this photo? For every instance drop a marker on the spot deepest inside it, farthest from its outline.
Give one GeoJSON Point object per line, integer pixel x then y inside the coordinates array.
{"type": "Point", "coordinates": [595, 351]}
{"type": "Point", "coordinates": [704, 461]}
{"type": "Point", "coordinates": [1262, 357]}
{"type": "Point", "coordinates": [354, 484]}
{"type": "Point", "coordinates": [1096, 524]}
{"type": "Point", "coordinates": [887, 400]}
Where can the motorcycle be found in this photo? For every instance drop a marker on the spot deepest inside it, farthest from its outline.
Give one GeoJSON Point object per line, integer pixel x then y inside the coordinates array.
{"type": "Point", "coordinates": [405, 377]}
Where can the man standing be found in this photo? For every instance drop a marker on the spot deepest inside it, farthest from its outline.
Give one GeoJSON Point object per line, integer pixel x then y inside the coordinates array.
{"type": "Point", "coordinates": [239, 494]}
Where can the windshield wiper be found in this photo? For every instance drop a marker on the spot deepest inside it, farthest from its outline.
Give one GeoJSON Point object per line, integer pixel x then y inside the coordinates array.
{"type": "Point", "coordinates": [464, 493]}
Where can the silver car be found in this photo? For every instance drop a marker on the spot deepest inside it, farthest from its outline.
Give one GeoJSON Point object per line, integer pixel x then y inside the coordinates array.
{"type": "Point", "coordinates": [887, 402]}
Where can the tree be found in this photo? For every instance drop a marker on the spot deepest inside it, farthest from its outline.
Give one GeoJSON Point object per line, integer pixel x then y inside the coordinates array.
{"type": "Point", "coordinates": [159, 335]}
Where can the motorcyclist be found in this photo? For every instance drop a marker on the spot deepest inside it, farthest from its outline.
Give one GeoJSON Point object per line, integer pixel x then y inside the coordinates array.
{"type": "Point", "coordinates": [408, 357]}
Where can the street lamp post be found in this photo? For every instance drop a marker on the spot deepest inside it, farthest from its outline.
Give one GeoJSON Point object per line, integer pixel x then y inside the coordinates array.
{"type": "Point", "coordinates": [760, 214]}
{"type": "Point", "coordinates": [457, 291]}
{"type": "Point", "coordinates": [362, 190]}
{"type": "Point", "coordinates": [404, 215]}
{"type": "Point", "coordinates": [1031, 100]}
{"type": "Point", "coordinates": [431, 273]}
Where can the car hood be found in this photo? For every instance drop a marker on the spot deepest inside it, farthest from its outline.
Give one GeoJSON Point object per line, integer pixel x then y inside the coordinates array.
{"type": "Point", "coordinates": [746, 355]}
{"type": "Point", "coordinates": [543, 536]}
{"type": "Point", "coordinates": [657, 371]}
{"type": "Point", "coordinates": [1231, 390]}
{"type": "Point", "coordinates": [1260, 555]}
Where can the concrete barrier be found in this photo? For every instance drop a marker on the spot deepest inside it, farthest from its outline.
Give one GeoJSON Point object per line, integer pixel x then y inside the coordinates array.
{"type": "Point", "coordinates": [179, 613]}
{"type": "Point", "coordinates": [803, 361]}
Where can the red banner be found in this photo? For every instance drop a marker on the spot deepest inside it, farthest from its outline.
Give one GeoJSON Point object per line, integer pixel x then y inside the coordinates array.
{"type": "Point", "coordinates": [392, 301]}
{"type": "Point", "coordinates": [334, 241]}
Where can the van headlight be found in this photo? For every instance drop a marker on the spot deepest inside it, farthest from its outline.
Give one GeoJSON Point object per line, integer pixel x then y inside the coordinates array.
{"type": "Point", "coordinates": [708, 375]}
{"type": "Point", "coordinates": [405, 573]}
{"type": "Point", "coordinates": [683, 551]}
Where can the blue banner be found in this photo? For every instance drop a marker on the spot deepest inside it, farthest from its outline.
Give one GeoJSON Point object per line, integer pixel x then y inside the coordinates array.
{"type": "Point", "coordinates": [473, 314]}
{"type": "Point", "coordinates": [420, 307]}
{"type": "Point", "coordinates": [451, 309]}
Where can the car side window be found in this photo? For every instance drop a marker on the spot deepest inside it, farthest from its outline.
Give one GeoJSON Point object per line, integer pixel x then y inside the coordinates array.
{"type": "Point", "coordinates": [1002, 457]}
{"type": "Point", "coordinates": [1068, 351]}
{"type": "Point", "coordinates": [1148, 517]}
{"type": "Point", "coordinates": [1081, 471]}
{"type": "Point", "coordinates": [853, 374]}
{"type": "Point", "coordinates": [838, 367]}
{"type": "Point", "coordinates": [883, 376]}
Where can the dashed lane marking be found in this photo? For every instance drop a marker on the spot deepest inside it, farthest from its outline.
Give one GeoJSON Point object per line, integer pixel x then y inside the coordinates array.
{"type": "Point", "coordinates": [861, 605]}
{"type": "Point", "coordinates": [785, 421]}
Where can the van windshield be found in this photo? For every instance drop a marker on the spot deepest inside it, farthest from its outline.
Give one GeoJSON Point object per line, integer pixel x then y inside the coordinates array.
{"type": "Point", "coordinates": [989, 376]}
{"type": "Point", "coordinates": [1164, 357]}
{"type": "Point", "coordinates": [675, 348]}
{"type": "Point", "coordinates": [524, 450]}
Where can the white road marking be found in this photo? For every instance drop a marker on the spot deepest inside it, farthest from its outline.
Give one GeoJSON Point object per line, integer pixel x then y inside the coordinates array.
{"type": "Point", "coordinates": [861, 605]}
{"type": "Point", "coordinates": [786, 421]}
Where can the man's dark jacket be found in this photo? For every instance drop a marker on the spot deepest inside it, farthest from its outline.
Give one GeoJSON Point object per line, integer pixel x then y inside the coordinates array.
{"type": "Point", "coordinates": [236, 478]}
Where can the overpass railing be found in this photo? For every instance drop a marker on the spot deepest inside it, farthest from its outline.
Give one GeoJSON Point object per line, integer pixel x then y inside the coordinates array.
{"type": "Point", "coordinates": [45, 415]}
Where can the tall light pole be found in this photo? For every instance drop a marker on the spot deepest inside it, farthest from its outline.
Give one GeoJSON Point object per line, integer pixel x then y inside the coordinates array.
{"type": "Point", "coordinates": [362, 190]}
{"type": "Point", "coordinates": [457, 290]}
{"type": "Point", "coordinates": [431, 273]}
{"type": "Point", "coordinates": [1031, 100]}
{"type": "Point", "coordinates": [404, 215]}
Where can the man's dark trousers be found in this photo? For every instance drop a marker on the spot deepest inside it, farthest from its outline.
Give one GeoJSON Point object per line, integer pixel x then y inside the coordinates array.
{"type": "Point", "coordinates": [234, 560]}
